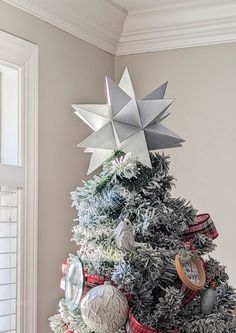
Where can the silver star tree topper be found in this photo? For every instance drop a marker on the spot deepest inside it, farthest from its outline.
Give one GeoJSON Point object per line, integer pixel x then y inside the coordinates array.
{"type": "Point", "coordinates": [126, 123]}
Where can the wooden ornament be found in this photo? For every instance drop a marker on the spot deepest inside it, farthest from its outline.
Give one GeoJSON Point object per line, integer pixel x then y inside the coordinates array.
{"type": "Point", "coordinates": [191, 273]}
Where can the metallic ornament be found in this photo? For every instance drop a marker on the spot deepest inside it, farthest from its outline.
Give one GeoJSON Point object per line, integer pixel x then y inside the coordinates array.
{"type": "Point", "coordinates": [124, 236]}
{"type": "Point", "coordinates": [104, 309]}
{"type": "Point", "coordinates": [208, 300]}
{"type": "Point", "coordinates": [74, 283]}
{"type": "Point", "coordinates": [126, 123]}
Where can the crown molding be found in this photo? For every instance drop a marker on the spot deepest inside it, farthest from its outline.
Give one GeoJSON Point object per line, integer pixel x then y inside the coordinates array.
{"type": "Point", "coordinates": [172, 24]}
{"type": "Point", "coordinates": [178, 24]}
{"type": "Point", "coordinates": [99, 22]}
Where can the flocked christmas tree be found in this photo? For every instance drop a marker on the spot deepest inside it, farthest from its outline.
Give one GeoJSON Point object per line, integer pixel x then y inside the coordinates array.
{"type": "Point", "coordinates": [143, 262]}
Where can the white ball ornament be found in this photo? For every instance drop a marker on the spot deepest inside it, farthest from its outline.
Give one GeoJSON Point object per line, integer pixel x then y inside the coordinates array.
{"type": "Point", "coordinates": [104, 309]}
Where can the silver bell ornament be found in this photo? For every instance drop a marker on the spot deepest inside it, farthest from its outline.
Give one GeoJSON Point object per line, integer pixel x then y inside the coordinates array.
{"type": "Point", "coordinates": [104, 309]}
{"type": "Point", "coordinates": [208, 300]}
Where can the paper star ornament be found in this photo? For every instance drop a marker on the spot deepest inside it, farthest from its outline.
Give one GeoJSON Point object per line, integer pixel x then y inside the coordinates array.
{"type": "Point", "coordinates": [126, 123]}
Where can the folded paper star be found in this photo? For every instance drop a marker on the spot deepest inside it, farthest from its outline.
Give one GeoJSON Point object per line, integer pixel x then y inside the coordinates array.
{"type": "Point", "coordinates": [126, 123]}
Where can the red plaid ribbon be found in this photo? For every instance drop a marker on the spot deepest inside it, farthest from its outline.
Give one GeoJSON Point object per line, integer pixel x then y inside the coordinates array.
{"type": "Point", "coordinates": [95, 279]}
{"type": "Point", "coordinates": [189, 295]}
{"type": "Point", "coordinates": [133, 326]}
{"type": "Point", "coordinates": [204, 226]}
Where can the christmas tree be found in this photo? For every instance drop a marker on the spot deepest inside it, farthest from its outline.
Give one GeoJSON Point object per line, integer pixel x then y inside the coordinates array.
{"type": "Point", "coordinates": [143, 262]}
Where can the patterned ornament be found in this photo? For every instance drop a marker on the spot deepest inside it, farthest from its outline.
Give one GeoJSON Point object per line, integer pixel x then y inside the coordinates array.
{"type": "Point", "coordinates": [124, 236]}
{"type": "Point", "coordinates": [191, 272]}
{"type": "Point", "coordinates": [126, 123]}
{"type": "Point", "coordinates": [104, 309]}
{"type": "Point", "coordinates": [208, 300]}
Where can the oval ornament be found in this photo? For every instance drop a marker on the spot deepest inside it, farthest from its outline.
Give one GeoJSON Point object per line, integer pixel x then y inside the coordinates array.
{"type": "Point", "coordinates": [191, 273]}
{"type": "Point", "coordinates": [74, 283]}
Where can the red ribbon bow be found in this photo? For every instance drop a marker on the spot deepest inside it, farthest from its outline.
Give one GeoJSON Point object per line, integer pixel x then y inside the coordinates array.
{"type": "Point", "coordinates": [204, 225]}
{"type": "Point", "coordinates": [135, 327]}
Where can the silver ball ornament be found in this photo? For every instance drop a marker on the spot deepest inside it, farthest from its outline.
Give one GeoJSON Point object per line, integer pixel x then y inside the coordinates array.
{"type": "Point", "coordinates": [208, 300]}
{"type": "Point", "coordinates": [104, 309]}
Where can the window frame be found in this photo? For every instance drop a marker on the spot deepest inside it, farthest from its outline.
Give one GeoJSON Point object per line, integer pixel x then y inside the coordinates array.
{"type": "Point", "coordinates": [23, 55]}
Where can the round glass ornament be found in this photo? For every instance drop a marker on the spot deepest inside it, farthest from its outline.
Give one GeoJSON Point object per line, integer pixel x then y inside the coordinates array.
{"type": "Point", "coordinates": [74, 283]}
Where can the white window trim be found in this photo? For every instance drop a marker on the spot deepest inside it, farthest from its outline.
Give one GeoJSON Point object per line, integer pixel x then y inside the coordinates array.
{"type": "Point", "coordinates": [24, 55]}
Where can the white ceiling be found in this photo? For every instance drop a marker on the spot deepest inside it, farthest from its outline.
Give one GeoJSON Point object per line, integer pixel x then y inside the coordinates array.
{"type": "Point", "coordinates": [134, 5]}
{"type": "Point", "coordinates": [137, 26]}
{"type": "Point", "coordinates": [146, 5]}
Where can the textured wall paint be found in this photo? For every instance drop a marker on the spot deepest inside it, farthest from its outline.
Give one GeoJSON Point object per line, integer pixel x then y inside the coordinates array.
{"type": "Point", "coordinates": [70, 71]}
{"type": "Point", "coordinates": [203, 81]}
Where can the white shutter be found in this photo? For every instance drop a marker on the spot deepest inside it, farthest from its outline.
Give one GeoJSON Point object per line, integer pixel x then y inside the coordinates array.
{"type": "Point", "coordinates": [8, 258]}
{"type": "Point", "coordinates": [11, 188]}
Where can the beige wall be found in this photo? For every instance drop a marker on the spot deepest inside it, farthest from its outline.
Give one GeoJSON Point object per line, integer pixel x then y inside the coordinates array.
{"type": "Point", "coordinates": [203, 81]}
{"type": "Point", "coordinates": [70, 71]}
